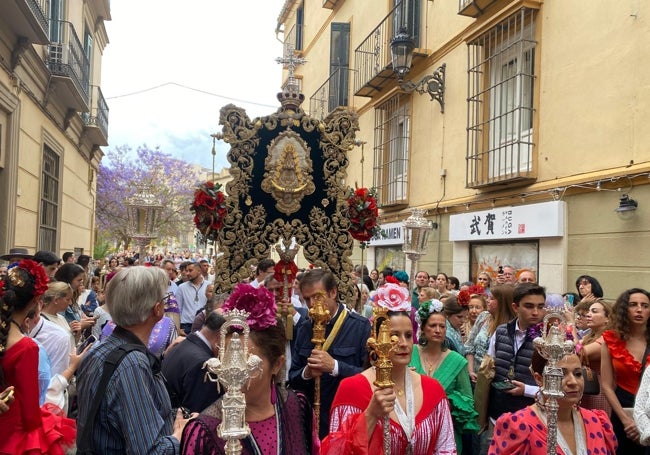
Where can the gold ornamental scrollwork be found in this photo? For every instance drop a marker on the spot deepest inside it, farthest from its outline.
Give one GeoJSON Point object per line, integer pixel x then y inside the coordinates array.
{"type": "Point", "coordinates": [288, 172]}
{"type": "Point", "coordinates": [293, 158]}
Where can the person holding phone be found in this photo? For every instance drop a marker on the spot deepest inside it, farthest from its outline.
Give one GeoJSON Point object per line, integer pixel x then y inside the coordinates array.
{"type": "Point", "coordinates": [512, 349]}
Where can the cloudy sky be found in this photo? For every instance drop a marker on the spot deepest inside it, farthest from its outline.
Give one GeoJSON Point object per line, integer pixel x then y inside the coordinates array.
{"type": "Point", "coordinates": [170, 66]}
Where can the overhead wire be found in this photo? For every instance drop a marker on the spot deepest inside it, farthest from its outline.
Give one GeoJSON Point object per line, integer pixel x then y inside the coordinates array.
{"type": "Point", "coordinates": [186, 87]}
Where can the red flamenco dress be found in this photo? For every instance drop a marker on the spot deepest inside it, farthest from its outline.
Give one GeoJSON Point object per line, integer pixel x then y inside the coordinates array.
{"type": "Point", "coordinates": [433, 434]}
{"type": "Point", "coordinates": [27, 428]}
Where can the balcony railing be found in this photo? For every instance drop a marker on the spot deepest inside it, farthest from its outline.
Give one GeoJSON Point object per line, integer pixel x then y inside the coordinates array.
{"type": "Point", "coordinates": [66, 57]}
{"type": "Point", "coordinates": [27, 19]}
{"type": "Point", "coordinates": [98, 115]}
{"type": "Point", "coordinates": [41, 11]}
{"type": "Point", "coordinates": [293, 39]}
{"type": "Point", "coordinates": [332, 94]}
{"type": "Point", "coordinates": [372, 57]}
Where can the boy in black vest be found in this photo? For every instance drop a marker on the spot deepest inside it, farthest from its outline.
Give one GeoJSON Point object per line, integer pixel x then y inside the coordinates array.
{"type": "Point", "coordinates": [511, 346]}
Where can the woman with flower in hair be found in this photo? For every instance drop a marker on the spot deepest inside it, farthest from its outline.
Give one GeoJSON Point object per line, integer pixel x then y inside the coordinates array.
{"type": "Point", "coordinates": [419, 417]}
{"type": "Point", "coordinates": [281, 420]}
{"type": "Point", "coordinates": [432, 358]}
{"type": "Point", "coordinates": [25, 427]}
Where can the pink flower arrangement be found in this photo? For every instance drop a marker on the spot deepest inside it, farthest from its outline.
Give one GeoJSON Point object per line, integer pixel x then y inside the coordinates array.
{"type": "Point", "coordinates": [393, 297]}
{"type": "Point", "coordinates": [259, 302]}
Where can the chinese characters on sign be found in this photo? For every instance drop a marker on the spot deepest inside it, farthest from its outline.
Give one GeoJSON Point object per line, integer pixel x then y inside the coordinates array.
{"type": "Point", "coordinates": [527, 221]}
{"type": "Point", "coordinates": [505, 223]}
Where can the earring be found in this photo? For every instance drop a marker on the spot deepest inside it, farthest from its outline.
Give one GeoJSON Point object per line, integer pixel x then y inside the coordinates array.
{"type": "Point", "coordinates": [274, 396]}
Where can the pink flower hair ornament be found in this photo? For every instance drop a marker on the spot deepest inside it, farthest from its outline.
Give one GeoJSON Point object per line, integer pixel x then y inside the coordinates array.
{"type": "Point", "coordinates": [393, 297]}
{"type": "Point", "coordinates": [259, 302]}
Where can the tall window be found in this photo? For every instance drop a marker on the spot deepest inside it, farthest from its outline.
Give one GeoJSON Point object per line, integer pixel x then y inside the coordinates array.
{"type": "Point", "coordinates": [500, 108]}
{"type": "Point", "coordinates": [407, 15]}
{"type": "Point", "coordinates": [339, 65]}
{"type": "Point", "coordinates": [300, 24]}
{"type": "Point", "coordinates": [49, 201]}
{"type": "Point", "coordinates": [392, 138]}
{"type": "Point", "coordinates": [56, 9]}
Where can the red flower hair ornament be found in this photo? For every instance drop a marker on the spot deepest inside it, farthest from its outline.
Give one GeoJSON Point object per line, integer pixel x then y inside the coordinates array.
{"type": "Point", "coordinates": [476, 289]}
{"type": "Point", "coordinates": [463, 298]}
{"type": "Point", "coordinates": [393, 297]}
{"type": "Point", "coordinates": [391, 279]}
{"type": "Point", "coordinates": [258, 302]}
{"type": "Point", "coordinates": [32, 268]}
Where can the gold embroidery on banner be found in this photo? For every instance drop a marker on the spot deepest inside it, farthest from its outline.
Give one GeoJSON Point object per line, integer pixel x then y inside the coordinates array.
{"type": "Point", "coordinates": [288, 170]}
{"type": "Point", "coordinates": [249, 234]}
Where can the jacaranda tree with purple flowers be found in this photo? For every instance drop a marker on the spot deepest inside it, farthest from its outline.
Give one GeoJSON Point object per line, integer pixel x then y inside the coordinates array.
{"type": "Point", "coordinates": [170, 180]}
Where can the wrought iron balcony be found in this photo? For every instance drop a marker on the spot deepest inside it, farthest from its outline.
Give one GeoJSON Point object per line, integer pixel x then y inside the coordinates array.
{"type": "Point", "coordinates": [293, 39]}
{"type": "Point", "coordinates": [97, 119]}
{"type": "Point", "coordinates": [68, 64]}
{"type": "Point", "coordinates": [372, 59]}
{"type": "Point", "coordinates": [27, 18]}
{"type": "Point", "coordinates": [473, 8]}
{"type": "Point", "coordinates": [332, 94]}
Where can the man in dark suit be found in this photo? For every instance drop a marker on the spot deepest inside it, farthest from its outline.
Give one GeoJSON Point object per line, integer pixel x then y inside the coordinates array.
{"type": "Point", "coordinates": [183, 367]}
{"type": "Point", "coordinates": [344, 351]}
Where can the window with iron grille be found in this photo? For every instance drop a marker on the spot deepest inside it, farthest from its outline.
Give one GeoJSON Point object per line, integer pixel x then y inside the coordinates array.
{"type": "Point", "coordinates": [49, 201]}
{"type": "Point", "coordinates": [500, 103]}
{"type": "Point", "coordinates": [392, 140]}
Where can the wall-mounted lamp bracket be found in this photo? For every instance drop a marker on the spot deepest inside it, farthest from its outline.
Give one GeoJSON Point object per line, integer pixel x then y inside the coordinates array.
{"type": "Point", "coordinates": [433, 84]}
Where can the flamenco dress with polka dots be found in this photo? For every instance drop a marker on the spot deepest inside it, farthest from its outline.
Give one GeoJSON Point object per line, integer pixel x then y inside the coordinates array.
{"type": "Point", "coordinates": [524, 433]}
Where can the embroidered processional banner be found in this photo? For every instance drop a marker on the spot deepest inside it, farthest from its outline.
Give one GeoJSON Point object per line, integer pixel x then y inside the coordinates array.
{"type": "Point", "coordinates": [288, 173]}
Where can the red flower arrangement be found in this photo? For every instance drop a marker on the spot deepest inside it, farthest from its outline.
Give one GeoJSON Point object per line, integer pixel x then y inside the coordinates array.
{"type": "Point", "coordinates": [363, 212]}
{"type": "Point", "coordinates": [209, 209]}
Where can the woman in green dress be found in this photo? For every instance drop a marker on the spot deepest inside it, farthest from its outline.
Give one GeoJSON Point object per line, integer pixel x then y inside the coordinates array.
{"type": "Point", "coordinates": [432, 358]}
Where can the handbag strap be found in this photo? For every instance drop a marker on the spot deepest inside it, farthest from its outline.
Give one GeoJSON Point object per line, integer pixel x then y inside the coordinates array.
{"type": "Point", "coordinates": [645, 356]}
{"type": "Point", "coordinates": [85, 442]}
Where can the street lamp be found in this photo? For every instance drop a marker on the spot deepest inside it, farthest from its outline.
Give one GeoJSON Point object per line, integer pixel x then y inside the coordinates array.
{"type": "Point", "coordinates": [416, 236]}
{"type": "Point", "coordinates": [142, 212]}
{"type": "Point", "coordinates": [401, 51]}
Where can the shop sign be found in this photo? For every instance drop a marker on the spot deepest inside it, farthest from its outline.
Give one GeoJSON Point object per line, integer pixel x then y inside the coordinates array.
{"type": "Point", "coordinates": [392, 234]}
{"type": "Point", "coordinates": [509, 223]}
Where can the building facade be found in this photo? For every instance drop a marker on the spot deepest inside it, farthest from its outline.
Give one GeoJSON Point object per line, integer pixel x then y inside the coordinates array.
{"type": "Point", "coordinates": [519, 128]}
{"type": "Point", "coordinates": [53, 122]}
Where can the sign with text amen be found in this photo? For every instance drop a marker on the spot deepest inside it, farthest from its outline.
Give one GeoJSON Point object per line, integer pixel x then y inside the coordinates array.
{"type": "Point", "coordinates": [509, 223]}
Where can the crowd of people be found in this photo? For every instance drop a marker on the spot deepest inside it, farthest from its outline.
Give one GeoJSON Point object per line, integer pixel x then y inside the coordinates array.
{"type": "Point", "coordinates": [109, 357]}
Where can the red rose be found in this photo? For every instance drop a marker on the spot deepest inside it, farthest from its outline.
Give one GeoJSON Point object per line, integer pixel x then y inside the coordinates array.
{"type": "Point", "coordinates": [210, 203]}
{"type": "Point", "coordinates": [361, 192]}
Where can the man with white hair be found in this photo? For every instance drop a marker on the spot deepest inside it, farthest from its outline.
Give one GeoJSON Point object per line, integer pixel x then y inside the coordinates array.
{"type": "Point", "coordinates": [135, 414]}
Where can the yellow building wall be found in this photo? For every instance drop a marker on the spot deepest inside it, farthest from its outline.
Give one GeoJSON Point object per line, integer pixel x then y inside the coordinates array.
{"type": "Point", "coordinates": [40, 121]}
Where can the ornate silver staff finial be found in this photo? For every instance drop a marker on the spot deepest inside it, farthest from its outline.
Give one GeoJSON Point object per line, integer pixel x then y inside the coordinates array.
{"type": "Point", "coordinates": [553, 346]}
{"type": "Point", "coordinates": [234, 368]}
